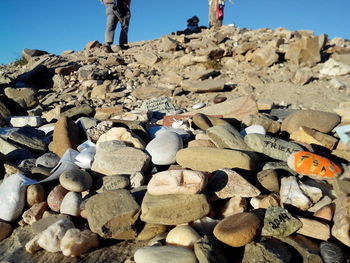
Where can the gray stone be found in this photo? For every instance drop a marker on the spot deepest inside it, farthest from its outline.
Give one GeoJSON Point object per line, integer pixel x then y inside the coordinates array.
{"type": "Point", "coordinates": [207, 250]}
{"type": "Point", "coordinates": [278, 166]}
{"type": "Point", "coordinates": [14, 153]}
{"type": "Point", "coordinates": [29, 137]}
{"type": "Point", "coordinates": [331, 253]}
{"type": "Point", "coordinates": [173, 209]}
{"type": "Point", "coordinates": [147, 58]}
{"type": "Point", "coordinates": [113, 214]}
{"type": "Point", "coordinates": [111, 182]}
{"type": "Point", "coordinates": [269, 250]}
{"type": "Point", "coordinates": [26, 97]}
{"type": "Point", "coordinates": [273, 147]}
{"type": "Point", "coordinates": [81, 110]}
{"type": "Point", "coordinates": [111, 158]}
{"type": "Point", "coordinates": [279, 222]}
{"type": "Point", "coordinates": [91, 72]}
{"type": "Point", "coordinates": [269, 180]}
{"type": "Point", "coordinates": [163, 148]}
{"type": "Point", "coordinates": [159, 105]}
{"type": "Point", "coordinates": [49, 160]}
{"type": "Point", "coordinates": [76, 180]}
{"type": "Point", "coordinates": [306, 248]}
{"type": "Point", "coordinates": [227, 183]}
{"type": "Point", "coordinates": [45, 222]}
{"type": "Point", "coordinates": [161, 254]}
{"type": "Point", "coordinates": [30, 53]}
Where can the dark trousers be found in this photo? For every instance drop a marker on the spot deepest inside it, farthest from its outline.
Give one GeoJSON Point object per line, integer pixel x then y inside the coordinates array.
{"type": "Point", "coordinates": [113, 16]}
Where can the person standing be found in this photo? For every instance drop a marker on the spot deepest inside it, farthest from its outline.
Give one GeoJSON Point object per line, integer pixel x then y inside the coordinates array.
{"type": "Point", "coordinates": [117, 10]}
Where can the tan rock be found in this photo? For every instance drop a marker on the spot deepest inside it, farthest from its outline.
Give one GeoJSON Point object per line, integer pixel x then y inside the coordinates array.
{"type": "Point", "coordinates": [55, 197]}
{"type": "Point", "coordinates": [34, 213]}
{"type": "Point", "coordinates": [315, 229]}
{"type": "Point", "coordinates": [108, 112]}
{"type": "Point", "coordinates": [122, 134]}
{"type": "Point", "coordinates": [182, 235]}
{"type": "Point", "coordinates": [311, 136]}
{"type": "Point", "coordinates": [200, 143]}
{"type": "Point", "coordinates": [149, 231]}
{"type": "Point", "coordinates": [270, 200]}
{"type": "Point", "coordinates": [234, 205]}
{"type": "Point", "coordinates": [269, 180]}
{"type": "Point", "coordinates": [238, 230]}
{"type": "Point", "coordinates": [341, 219]}
{"type": "Point", "coordinates": [35, 194]}
{"type": "Point", "coordinates": [260, 119]}
{"type": "Point", "coordinates": [325, 212]}
{"type": "Point", "coordinates": [265, 56]}
{"type": "Point", "coordinates": [5, 230]}
{"type": "Point", "coordinates": [304, 51]}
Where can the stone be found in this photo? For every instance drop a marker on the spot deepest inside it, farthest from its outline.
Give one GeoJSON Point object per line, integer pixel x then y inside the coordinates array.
{"type": "Point", "coordinates": [154, 131]}
{"type": "Point", "coordinates": [314, 193]}
{"type": "Point", "coordinates": [146, 58]}
{"type": "Point", "coordinates": [76, 242]}
{"type": "Point", "coordinates": [163, 148]}
{"type": "Point", "coordinates": [254, 129]}
{"type": "Point", "coordinates": [325, 213]}
{"type": "Point", "coordinates": [90, 72]}
{"type": "Point", "coordinates": [13, 152]}
{"type": "Point", "coordinates": [308, 249]}
{"type": "Point", "coordinates": [122, 134]}
{"type": "Point", "coordinates": [269, 180]}
{"type": "Point", "coordinates": [111, 158]}
{"type": "Point", "coordinates": [35, 194]}
{"type": "Point", "coordinates": [341, 220]}
{"type": "Point", "coordinates": [26, 97]}
{"type": "Point", "coordinates": [278, 222]}
{"type": "Point", "coordinates": [238, 230]}
{"type": "Point", "coordinates": [234, 205]}
{"type": "Point", "coordinates": [268, 250]}
{"type": "Point", "coordinates": [151, 94]}
{"type": "Point", "coordinates": [182, 235]}
{"type": "Point", "coordinates": [204, 225]}
{"type": "Point", "coordinates": [49, 160]}
{"type": "Point", "coordinates": [207, 250]}
{"type": "Point", "coordinates": [111, 182]}
{"type": "Point", "coordinates": [318, 120]}
{"type": "Point", "coordinates": [29, 137]}
{"type": "Point", "coordinates": [313, 165]}
{"type": "Point", "coordinates": [12, 197]}
{"type": "Point", "coordinates": [198, 106]}
{"type": "Point", "coordinates": [78, 111]}
{"type": "Point", "coordinates": [334, 68]}
{"type": "Point", "coordinates": [302, 76]}
{"type": "Point", "coordinates": [291, 193]}
{"type": "Point", "coordinates": [173, 209]}
{"type": "Point", "coordinates": [177, 182]}
{"type": "Point", "coordinates": [273, 147]}
{"type": "Point", "coordinates": [208, 85]}
{"type": "Point", "coordinates": [107, 113]}
{"type": "Point", "coordinates": [27, 54]}
{"type": "Point", "coordinates": [50, 239]}
{"type": "Point", "coordinates": [161, 254]}
{"type": "Point", "coordinates": [313, 228]}
{"type": "Point", "coordinates": [32, 121]}
{"type": "Point", "coordinates": [227, 183]}
{"type": "Point", "coordinates": [112, 214]}
{"type": "Point", "coordinates": [34, 213]}
{"type": "Point", "coordinates": [269, 200]}
{"type": "Point", "coordinates": [204, 122]}
{"type": "Point", "coordinates": [269, 124]}
{"type": "Point", "coordinates": [67, 69]}
{"type": "Point", "coordinates": [226, 136]}
{"type": "Point", "coordinates": [71, 204]}
{"type": "Point", "coordinates": [265, 56]}
{"type": "Point", "coordinates": [149, 231]}
{"type": "Point", "coordinates": [200, 143]}
{"type": "Point", "coordinates": [304, 51]}
{"type": "Point", "coordinates": [76, 180]}
{"type": "Point", "coordinates": [209, 159]}
{"type": "Point", "coordinates": [331, 253]}
{"type": "Point", "coordinates": [46, 221]}
{"type": "Point", "coordinates": [5, 230]}
{"type": "Point", "coordinates": [55, 197]}
{"type": "Point", "coordinates": [137, 179]}
{"type": "Point", "coordinates": [237, 108]}
{"type": "Point", "coordinates": [310, 136]}
{"type": "Point", "coordinates": [66, 135]}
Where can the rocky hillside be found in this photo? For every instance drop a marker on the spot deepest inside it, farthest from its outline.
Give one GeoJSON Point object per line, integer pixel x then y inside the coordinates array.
{"type": "Point", "coordinates": [225, 143]}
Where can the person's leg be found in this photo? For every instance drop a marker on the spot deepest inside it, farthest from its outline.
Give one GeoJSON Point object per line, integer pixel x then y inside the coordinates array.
{"type": "Point", "coordinates": [110, 25]}
{"type": "Point", "coordinates": [123, 38]}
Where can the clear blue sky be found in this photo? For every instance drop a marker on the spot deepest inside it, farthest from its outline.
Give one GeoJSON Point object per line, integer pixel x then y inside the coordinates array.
{"type": "Point", "coordinates": [55, 26]}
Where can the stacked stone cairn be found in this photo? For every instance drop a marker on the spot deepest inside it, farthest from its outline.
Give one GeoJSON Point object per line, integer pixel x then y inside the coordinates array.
{"type": "Point", "coordinates": [230, 182]}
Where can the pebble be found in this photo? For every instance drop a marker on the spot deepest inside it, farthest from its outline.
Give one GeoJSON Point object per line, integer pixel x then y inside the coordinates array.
{"type": "Point", "coordinates": [219, 99]}
{"type": "Point", "coordinates": [198, 106]}
{"type": "Point", "coordinates": [111, 182]}
{"type": "Point", "coordinates": [163, 148]}
{"type": "Point", "coordinates": [34, 213]}
{"type": "Point", "coordinates": [35, 194]}
{"type": "Point", "coordinates": [238, 230]}
{"type": "Point", "coordinates": [182, 235]}
{"type": "Point", "coordinates": [177, 182]}
{"type": "Point", "coordinates": [71, 204]}
{"type": "Point", "coordinates": [76, 180]}
{"type": "Point", "coordinates": [331, 253]}
{"type": "Point", "coordinates": [269, 180]}
{"type": "Point", "coordinates": [55, 197]}
{"type": "Point", "coordinates": [161, 254]}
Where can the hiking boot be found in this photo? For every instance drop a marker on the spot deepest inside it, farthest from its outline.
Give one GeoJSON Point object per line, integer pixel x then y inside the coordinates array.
{"type": "Point", "coordinates": [107, 49]}
{"type": "Point", "coordinates": [124, 47]}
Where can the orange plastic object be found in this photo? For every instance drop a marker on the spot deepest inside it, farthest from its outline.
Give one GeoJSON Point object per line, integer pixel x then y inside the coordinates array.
{"type": "Point", "coordinates": [312, 164]}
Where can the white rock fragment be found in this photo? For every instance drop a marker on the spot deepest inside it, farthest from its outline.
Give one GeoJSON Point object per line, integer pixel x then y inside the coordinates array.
{"type": "Point", "coordinates": [334, 68]}
{"type": "Point", "coordinates": [314, 193]}
{"type": "Point", "coordinates": [21, 121]}
{"type": "Point", "coordinates": [182, 235]}
{"type": "Point", "coordinates": [76, 242]}
{"type": "Point", "coordinates": [291, 193]}
{"type": "Point", "coordinates": [198, 106]}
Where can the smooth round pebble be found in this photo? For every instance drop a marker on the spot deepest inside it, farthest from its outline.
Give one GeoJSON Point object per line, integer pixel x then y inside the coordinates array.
{"type": "Point", "coordinates": [198, 106]}
{"type": "Point", "coordinates": [161, 254]}
{"type": "Point", "coordinates": [219, 99]}
{"type": "Point", "coordinates": [35, 194]}
{"type": "Point", "coordinates": [71, 204]}
{"type": "Point", "coordinates": [48, 160]}
{"type": "Point", "coordinates": [55, 197]}
{"type": "Point", "coordinates": [238, 230]}
{"type": "Point", "coordinates": [182, 235]}
{"type": "Point", "coordinates": [76, 180]}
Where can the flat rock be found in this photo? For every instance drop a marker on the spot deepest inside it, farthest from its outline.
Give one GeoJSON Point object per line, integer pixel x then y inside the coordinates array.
{"type": "Point", "coordinates": [318, 120]}
{"type": "Point", "coordinates": [313, 228]}
{"type": "Point", "coordinates": [269, 250]}
{"type": "Point", "coordinates": [113, 214]}
{"type": "Point", "coordinates": [208, 85]}
{"type": "Point", "coordinates": [111, 182]}
{"type": "Point", "coordinates": [209, 159]}
{"type": "Point", "coordinates": [32, 121]}
{"type": "Point", "coordinates": [207, 250]}
{"type": "Point", "coordinates": [341, 219]}
{"type": "Point", "coordinates": [227, 183]}
{"type": "Point", "coordinates": [111, 158]}
{"type": "Point", "coordinates": [163, 148]}
{"type": "Point", "coordinates": [49, 160]}
{"type": "Point", "coordinates": [238, 230]}
{"type": "Point", "coordinates": [269, 180]}
{"type": "Point", "coordinates": [331, 253]}
{"type": "Point", "coordinates": [161, 254]}
{"type": "Point", "coordinates": [204, 121]}
{"type": "Point", "coordinates": [177, 182]}
{"type": "Point", "coordinates": [45, 222]}
{"type": "Point", "coordinates": [273, 147]}
{"type": "Point", "coordinates": [76, 180]}
{"type": "Point", "coordinates": [173, 209]}
{"type": "Point", "coordinates": [13, 152]}
{"type": "Point", "coordinates": [291, 193]}
{"type": "Point", "coordinates": [5, 230]}
{"type": "Point", "coordinates": [279, 222]}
